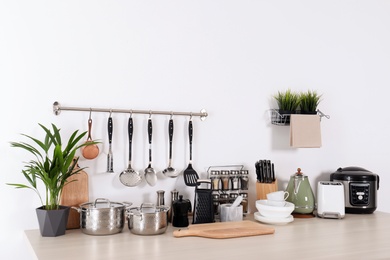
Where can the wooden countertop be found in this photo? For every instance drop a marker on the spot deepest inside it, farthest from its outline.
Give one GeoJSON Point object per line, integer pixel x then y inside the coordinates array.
{"type": "Point", "coordinates": [354, 237]}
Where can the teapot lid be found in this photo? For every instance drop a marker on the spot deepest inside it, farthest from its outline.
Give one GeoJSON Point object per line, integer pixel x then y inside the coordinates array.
{"type": "Point", "coordinates": [299, 173]}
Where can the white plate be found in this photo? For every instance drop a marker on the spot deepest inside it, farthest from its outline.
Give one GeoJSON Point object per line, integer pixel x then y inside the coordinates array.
{"type": "Point", "coordinates": [268, 220]}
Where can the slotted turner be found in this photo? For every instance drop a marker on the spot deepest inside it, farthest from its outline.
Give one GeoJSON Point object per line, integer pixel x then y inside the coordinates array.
{"type": "Point", "coordinates": [190, 175]}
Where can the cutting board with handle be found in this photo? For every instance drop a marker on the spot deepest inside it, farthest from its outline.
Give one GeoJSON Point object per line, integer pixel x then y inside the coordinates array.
{"type": "Point", "coordinates": [225, 230]}
{"type": "Point", "coordinates": [74, 194]}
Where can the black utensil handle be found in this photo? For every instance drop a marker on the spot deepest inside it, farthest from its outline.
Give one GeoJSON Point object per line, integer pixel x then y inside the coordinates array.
{"type": "Point", "coordinates": [190, 134]}
{"type": "Point", "coordinates": [170, 130]}
{"type": "Point", "coordinates": [130, 132]}
{"type": "Point", "coordinates": [110, 129]}
{"type": "Point", "coordinates": [150, 131]}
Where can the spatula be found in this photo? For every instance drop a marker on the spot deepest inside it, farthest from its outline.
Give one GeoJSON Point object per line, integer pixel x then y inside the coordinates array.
{"type": "Point", "coordinates": [189, 174]}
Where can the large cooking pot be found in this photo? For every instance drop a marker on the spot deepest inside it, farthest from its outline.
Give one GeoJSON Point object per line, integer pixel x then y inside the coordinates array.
{"type": "Point", "coordinates": [102, 217]}
{"type": "Point", "coordinates": [148, 219]}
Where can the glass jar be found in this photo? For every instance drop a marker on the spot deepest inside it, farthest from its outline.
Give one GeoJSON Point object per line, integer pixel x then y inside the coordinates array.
{"type": "Point", "coordinates": [216, 203]}
{"type": "Point", "coordinates": [225, 180]}
{"type": "Point", "coordinates": [244, 179]}
{"type": "Point", "coordinates": [234, 180]}
{"type": "Point", "coordinates": [215, 180]}
{"type": "Point", "coordinates": [223, 198]}
{"type": "Point", "coordinates": [244, 202]}
{"type": "Point", "coordinates": [232, 197]}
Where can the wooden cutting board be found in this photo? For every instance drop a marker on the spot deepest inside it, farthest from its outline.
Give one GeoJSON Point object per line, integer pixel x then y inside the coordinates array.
{"type": "Point", "coordinates": [225, 230]}
{"type": "Point", "coordinates": [74, 194]}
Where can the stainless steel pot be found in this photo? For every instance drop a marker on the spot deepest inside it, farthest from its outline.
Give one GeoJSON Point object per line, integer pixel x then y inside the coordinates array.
{"type": "Point", "coordinates": [102, 217]}
{"type": "Point", "coordinates": [148, 219]}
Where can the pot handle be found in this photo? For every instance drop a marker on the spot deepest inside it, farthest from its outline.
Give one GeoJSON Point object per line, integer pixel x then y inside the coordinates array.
{"type": "Point", "coordinates": [102, 199]}
{"type": "Point", "coordinates": [127, 204]}
{"type": "Point", "coordinates": [378, 183]}
{"type": "Point", "coordinates": [79, 210]}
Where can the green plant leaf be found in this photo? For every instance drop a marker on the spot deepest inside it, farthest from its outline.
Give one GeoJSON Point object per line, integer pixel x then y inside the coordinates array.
{"type": "Point", "coordinates": [52, 165]}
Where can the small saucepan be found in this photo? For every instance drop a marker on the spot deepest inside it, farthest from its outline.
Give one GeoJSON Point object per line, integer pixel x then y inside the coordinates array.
{"type": "Point", "coordinates": [102, 217]}
{"type": "Point", "coordinates": [148, 219]}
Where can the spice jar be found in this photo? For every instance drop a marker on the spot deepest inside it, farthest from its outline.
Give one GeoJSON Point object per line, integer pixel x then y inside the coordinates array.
{"type": "Point", "coordinates": [215, 203]}
{"type": "Point", "coordinates": [225, 180]}
{"type": "Point", "coordinates": [244, 202]}
{"type": "Point", "coordinates": [215, 180]}
{"type": "Point", "coordinates": [244, 179]}
{"type": "Point", "coordinates": [232, 197]}
{"type": "Point", "coordinates": [223, 198]}
{"type": "Point", "coordinates": [234, 180]}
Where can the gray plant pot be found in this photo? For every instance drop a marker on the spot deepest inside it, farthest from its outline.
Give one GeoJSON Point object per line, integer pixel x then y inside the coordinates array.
{"type": "Point", "coordinates": [52, 223]}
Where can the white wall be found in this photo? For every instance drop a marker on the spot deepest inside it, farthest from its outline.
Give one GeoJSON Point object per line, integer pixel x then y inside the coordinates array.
{"type": "Point", "coordinates": [228, 57]}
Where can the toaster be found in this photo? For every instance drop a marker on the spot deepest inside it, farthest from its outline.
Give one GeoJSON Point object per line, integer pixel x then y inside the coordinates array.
{"type": "Point", "coordinates": [330, 199]}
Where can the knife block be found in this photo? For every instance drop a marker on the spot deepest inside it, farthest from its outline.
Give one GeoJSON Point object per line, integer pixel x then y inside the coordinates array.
{"type": "Point", "coordinates": [262, 189]}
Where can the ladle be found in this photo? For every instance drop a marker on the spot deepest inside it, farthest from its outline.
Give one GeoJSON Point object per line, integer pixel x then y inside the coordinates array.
{"type": "Point", "coordinates": [129, 176]}
{"type": "Point", "coordinates": [150, 173]}
{"type": "Point", "coordinates": [170, 171]}
{"type": "Point", "coordinates": [90, 151]}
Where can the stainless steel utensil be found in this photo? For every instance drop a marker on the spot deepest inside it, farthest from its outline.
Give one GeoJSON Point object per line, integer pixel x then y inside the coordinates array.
{"type": "Point", "coordinates": [150, 173]}
{"type": "Point", "coordinates": [190, 175]}
{"type": "Point", "coordinates": [129, 176]}
{"type": "Point", "coordinates": [110, 160]}
{"type": "Point", "coordinates": [170, 171]}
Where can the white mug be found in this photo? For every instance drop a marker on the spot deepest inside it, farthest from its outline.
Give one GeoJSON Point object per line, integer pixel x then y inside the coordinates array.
{"type": "Point", "coordinates": [278, 195]}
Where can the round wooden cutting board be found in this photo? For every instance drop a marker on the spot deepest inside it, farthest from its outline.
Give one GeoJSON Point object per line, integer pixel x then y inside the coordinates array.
{"type": "Point", "coordinates": [74, 194]}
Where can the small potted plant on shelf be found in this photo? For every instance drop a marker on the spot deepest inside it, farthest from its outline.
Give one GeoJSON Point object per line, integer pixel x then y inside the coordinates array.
{"type": "Point", "coordinates": [309, 101]}
{"type": "Point", "coordinates": [54, 163]}
{"type": "Point", "coordinates": [288, 103]}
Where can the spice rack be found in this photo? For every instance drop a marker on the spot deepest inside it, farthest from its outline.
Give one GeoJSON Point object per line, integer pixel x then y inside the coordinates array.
{"type": "Point", "coordinates": [284, 119]}
{"type": "Point", "coordinates": [228, 182]}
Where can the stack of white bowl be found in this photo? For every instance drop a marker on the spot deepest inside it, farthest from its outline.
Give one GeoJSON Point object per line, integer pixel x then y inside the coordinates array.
{"type": "Point", "coordinates": [275, 209]}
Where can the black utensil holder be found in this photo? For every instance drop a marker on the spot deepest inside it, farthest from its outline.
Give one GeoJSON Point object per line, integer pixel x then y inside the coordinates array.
{"type": "Point", "coordinates": [203, 203]}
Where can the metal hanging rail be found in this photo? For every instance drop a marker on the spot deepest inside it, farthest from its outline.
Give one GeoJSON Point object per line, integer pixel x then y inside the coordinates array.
{"type": "Point", "coordinates": [57, 108]}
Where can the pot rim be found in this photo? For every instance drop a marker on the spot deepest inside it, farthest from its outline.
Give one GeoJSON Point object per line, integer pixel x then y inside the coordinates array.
{"type": "Point", "coordinates": [102, 201]}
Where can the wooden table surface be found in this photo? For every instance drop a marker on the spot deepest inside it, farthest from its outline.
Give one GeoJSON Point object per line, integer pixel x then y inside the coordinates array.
{"type": "Point", "coordinates": [357, 236]}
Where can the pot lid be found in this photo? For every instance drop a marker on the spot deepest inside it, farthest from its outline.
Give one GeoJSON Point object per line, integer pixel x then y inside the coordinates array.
{"type": "Point", "coordinates": [148, 208]}
{"type": "Point", "coordinates": [353, 173]}
{"type": "Point", "coordinates": [103, 204]}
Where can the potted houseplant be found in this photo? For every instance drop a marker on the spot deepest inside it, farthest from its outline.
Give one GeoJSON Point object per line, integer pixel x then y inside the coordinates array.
{"type": "Point", "coordinates": [54, 163]}
{"type": "Point", "coordinates": [288, 102]}
{"type": "Point", "coordinates": [309, 101]}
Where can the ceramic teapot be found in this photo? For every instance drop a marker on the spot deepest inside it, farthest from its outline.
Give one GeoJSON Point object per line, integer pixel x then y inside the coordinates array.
{"type": "Point", "coordinates": [301, 194]}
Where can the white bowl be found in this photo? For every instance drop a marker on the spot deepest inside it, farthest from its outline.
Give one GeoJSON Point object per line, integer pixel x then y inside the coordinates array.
{"type": "Point", "coordinates": [277, 203]}
{"type": "Point", "coordinates": [270, 211]}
